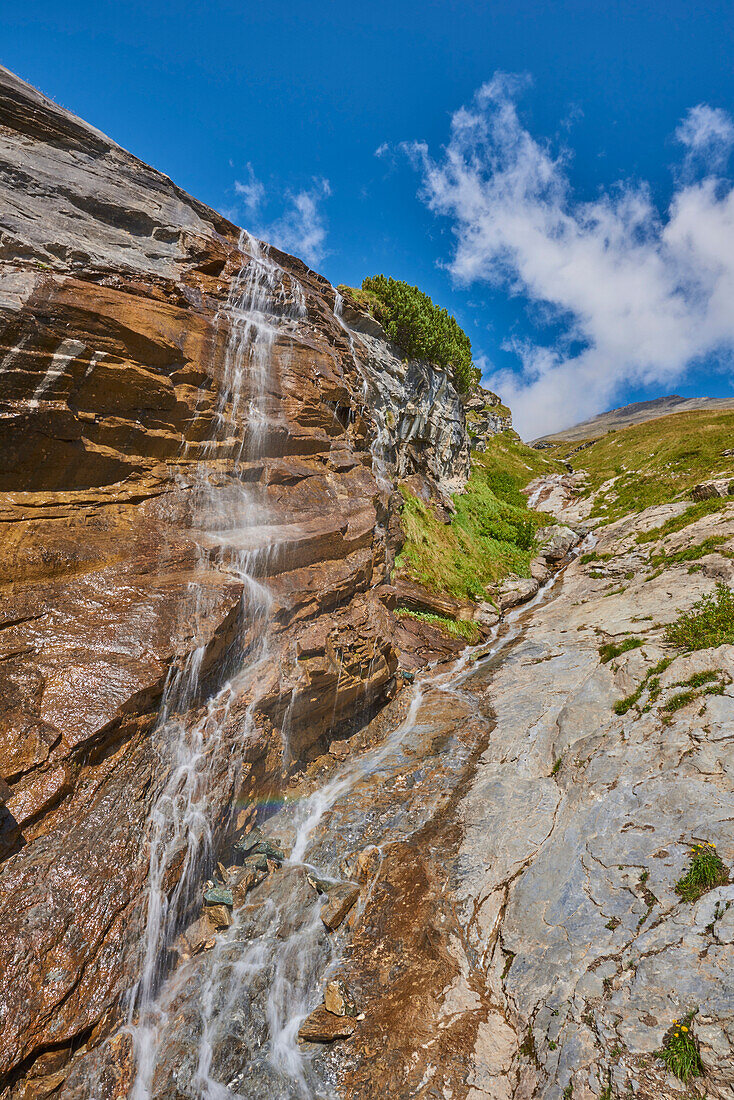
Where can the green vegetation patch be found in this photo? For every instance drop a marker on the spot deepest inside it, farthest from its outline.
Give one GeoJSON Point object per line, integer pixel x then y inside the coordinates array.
{"type": "Point", "coordinates": [492, 532]}
{"type": "Point", "coordinates": [655, 463]}
{"type": "Point", "coordinates": [706, 870]}
{"type": "Point", "coordinates": [710, 622]}
{"type": "Point", "coordinates": [685, 519]}
{"type": "Point", "coordinates": [689, 553]}
{"type": "Point", "coordinates": [423, 330]}
{"type": "Point", "coordinates": [611, 650]}
{"type": "Point", "coordinates": [679, 1051]}
{"type": "Point", "coordinates": [458, 628]}
{"type": "Point", "coordinates": [651, 682]}
{"type": "Point", "coordinates": [681, 699]}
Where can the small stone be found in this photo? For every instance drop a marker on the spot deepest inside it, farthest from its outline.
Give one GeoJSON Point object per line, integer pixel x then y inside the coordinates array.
{"type": "Point", "coordinates": [341, 899]}
{"type": "Point", "coordinates": [340, 749]}
{"type": "Point", "coordinates": [338, 1000]}
{"type": "Point", "coordinates": [271, 849]}
{"type": "Point", "coordinates": [323, 1026]}
{"type": "Point", "coordinates": [257, 845]}
{"type": "Point", "coordinates": [219, 895]}
{"type": "Point", "coordinates": [248, 842]}
{"type": "Point", "coordinates": [222, 872]}
{"type": "Point", "coordinates": [256, 862]}
{"type": "Point", "coordinates": [219, 915]}
{"type": "Point", "coordinates": [246, 878]}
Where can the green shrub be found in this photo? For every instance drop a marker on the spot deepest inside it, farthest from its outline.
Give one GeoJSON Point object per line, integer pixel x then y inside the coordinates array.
{"type": "Point", "coordinates": [422, 329]}
{"type": "Point", "coordinates": [680, 1052]}
{"type": "Point", "coordinates": [367, 301]}
{"type": "Point", "coordinates": [710, 622]}
{"type": "Point", "coordinates": [705, 871]}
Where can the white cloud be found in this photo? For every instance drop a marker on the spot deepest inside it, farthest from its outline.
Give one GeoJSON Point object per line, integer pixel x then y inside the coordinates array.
{"type": "Point", "coordinates": [643, 296]}
{"type": "Point", "coordinates": [302, 228]}
{"type": "Point", "coordinates": [251, 191]}
{"type": "Point", "coordinates": [708, 133]}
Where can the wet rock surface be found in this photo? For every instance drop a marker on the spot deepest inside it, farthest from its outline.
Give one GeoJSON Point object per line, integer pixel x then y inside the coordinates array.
{"type": "Point", "coordinates": [117, 328]}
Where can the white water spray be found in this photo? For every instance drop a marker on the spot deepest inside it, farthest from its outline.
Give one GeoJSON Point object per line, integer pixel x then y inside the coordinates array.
{"type": "Point", "coordinates": [262, 303]}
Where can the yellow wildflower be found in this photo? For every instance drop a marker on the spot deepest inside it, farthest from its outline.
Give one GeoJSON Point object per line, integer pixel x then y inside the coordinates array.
{"type": "Point", "coordinates": [684, 1028]}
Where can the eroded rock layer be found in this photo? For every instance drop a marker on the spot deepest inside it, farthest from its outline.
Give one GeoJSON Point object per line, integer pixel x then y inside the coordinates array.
{"type": "Point", "coordinates": [114, 337]}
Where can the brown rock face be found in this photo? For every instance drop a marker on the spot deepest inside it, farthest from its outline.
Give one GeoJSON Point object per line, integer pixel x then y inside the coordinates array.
{"type": "Point", "coordinates": [116, 337]}
{"type": "Point", "coordinates": [323, 1026]}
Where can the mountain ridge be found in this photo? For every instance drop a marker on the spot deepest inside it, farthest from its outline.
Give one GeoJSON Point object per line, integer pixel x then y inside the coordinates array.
{"type": "Point", "coordinates": [636, 413]}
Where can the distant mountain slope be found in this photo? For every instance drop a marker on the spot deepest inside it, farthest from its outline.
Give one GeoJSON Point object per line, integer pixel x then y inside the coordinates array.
{"type": "Point", "coordinates": [636, 414]}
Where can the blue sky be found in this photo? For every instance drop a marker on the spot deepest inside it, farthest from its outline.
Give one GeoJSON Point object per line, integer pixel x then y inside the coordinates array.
{"type": "Point", "coordinates": [576, 216]}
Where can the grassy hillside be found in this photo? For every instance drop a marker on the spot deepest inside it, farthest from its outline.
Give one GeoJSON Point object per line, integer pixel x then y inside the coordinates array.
{"type": "Point", "coordinates": [655, 462]}
{"type": "Point", "coordinates": [493, 531]}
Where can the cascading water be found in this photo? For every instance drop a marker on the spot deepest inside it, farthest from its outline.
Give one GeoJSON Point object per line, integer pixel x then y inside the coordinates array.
{"type": "Point", "coordinates": [225, 1024]}
{"type": "Point", "coordinates": [262, 302]}
{"type": "Point", "coordinates": [382, 445]}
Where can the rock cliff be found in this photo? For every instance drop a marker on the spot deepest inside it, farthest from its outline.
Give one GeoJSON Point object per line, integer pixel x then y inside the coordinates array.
{"type": "Point", "coordinates": [118, 316]}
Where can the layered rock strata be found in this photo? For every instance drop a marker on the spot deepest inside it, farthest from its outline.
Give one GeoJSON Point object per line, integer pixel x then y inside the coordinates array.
{"type": "Point", "coordinates": [114, 336]}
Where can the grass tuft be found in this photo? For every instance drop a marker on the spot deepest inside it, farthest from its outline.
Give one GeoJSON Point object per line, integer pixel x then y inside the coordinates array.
{"type": "Point", "coordinates": [611, 650]}
{"type": "Point", "coordinates": [651, 681]}
{"type": "Point", "coordinates": [706, 871]}
{"type": "Point", "coordinates": [458, 628]}
{"type": "Point", "coordinates": [681, 699]}
{"type": "Point", "coordinates": [679, 1051]}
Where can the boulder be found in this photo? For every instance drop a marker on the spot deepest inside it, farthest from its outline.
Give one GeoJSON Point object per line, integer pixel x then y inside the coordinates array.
{"type": "Point", "coordinates": [198, 936]}
{"type": "Point", "coordinates": [555, 542]}
{"type": "Point", "coordinates": [416, 597]}
{"type": "Point", "coordinates": [341, 898]}
{"type": "Point", "coordinates": [719, 487]}
{"type": "Point", "coordinates": [338, 1000]}
{"type": "Point", "coordinates": [518, 591]}
{"type": "Point", "coordinates": [220, 916]}
{"type": "Point", "coordinates": [323, 1026]}
{"type": "Point", "coordinates": [340, 749]}
{"type": "Point", "coordinates": [245, 878]}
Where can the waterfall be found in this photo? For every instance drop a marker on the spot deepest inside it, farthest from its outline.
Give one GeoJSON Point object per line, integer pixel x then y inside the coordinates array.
{"type": "Point", "coordinates": [263, 302]}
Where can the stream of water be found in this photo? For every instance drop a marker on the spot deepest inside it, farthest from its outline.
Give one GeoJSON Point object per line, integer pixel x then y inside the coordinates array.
{"type": "Point", "coordinates": [225, 1024]}
{"type": "Point", "coordinates": [262, 303]}
{"type": "Point", "coordinates": [228, 1020]}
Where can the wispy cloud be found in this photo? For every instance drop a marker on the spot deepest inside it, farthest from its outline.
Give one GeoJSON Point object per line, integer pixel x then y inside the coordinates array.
{"type": "Point", "coordinates": [251, 191]}
{"type": "Point", "coordinates": [708, 134]}
{"type": "Point", "coordinates": [300, 228]}
{"type": "Point", "coordinates": [642, 295]}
